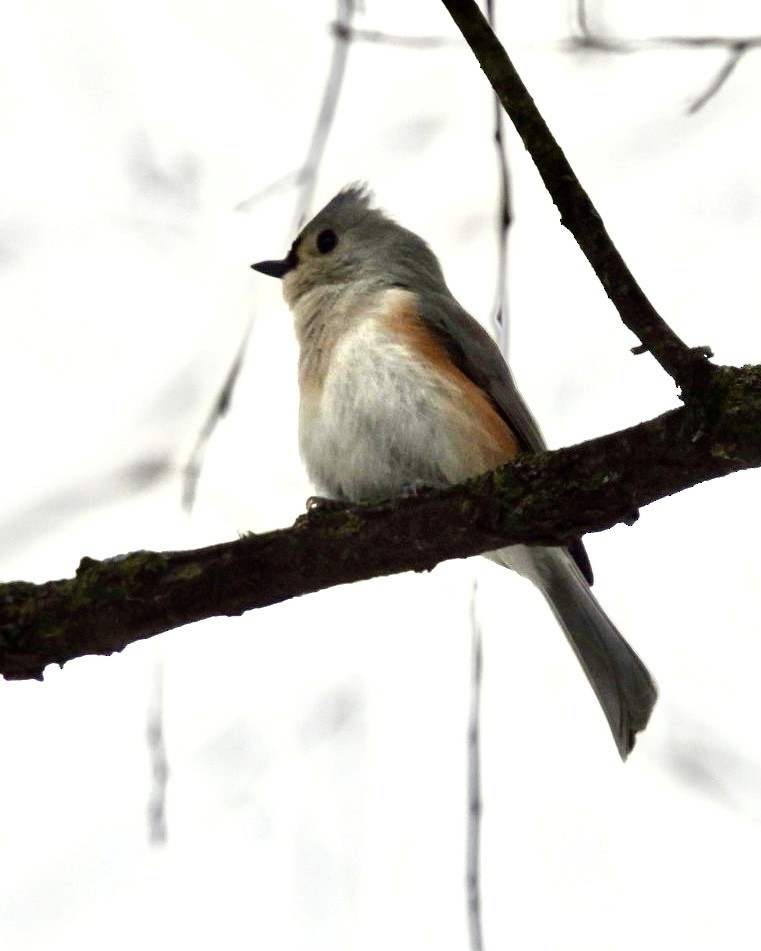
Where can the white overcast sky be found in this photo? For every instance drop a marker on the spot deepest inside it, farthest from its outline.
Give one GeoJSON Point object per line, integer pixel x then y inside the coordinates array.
{"type": "Point", "coordinates": [317, 749]}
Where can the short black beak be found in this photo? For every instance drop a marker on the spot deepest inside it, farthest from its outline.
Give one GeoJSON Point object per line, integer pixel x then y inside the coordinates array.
{"type": "Point", "coordinates": [273, 268]}
{"type": "Point", "coordinates": [277, 268]}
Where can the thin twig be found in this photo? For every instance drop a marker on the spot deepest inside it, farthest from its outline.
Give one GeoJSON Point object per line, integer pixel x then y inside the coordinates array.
{"type": "Point", "coordinates": [308, 176]}
{"type": "Point", "coordinates": [501, 316]}
{"type": "Point", "coordinates": [730, 64]}
{"type": "Point", "coordinates": [688, 367]}
{"type": "Point", "coordinates": [473, 857]}
{"type": "Point", "coordinates": [736, 47]}
{"type": "Point", "coordinates": [192, 470]}
{"type": "Point", "coordinates": [393, 39]}
{"type": "Point", "coordinates": [282, 184]}
{"type": "Point", "coordinates": [582, 20]}
{"type": "Point", "coordinates": [344, 31]}
{"type": "Point", "coordinates": [157, 829]}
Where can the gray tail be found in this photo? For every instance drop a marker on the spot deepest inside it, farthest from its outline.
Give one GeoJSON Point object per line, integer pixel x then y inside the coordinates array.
{"type": "Point", "coordinates": [624, 687]}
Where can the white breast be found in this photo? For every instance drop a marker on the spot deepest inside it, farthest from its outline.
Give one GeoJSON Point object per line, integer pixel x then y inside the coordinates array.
{"type": "Point", "coordinates": [378, 422]}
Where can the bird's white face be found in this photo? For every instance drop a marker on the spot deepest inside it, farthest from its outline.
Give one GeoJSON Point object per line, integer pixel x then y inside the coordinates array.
{"type": "Point", "coordinates": [325, 257]}
{"type": "Point", "coordinates": [339, 245]}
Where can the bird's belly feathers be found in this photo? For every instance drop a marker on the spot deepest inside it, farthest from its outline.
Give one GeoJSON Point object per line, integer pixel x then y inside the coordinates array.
{"type": "Point", "coordinates": [388, 414]}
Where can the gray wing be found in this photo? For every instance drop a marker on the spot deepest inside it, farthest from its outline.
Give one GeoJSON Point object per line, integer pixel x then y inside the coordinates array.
{"type": "Point", "coordinates": [480, 359]}
{"type": "Point", "coordinates": [478, 356]}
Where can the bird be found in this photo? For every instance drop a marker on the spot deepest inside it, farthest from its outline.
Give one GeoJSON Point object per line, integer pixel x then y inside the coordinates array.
{"type": "Point", "coordinates": [400, 386]}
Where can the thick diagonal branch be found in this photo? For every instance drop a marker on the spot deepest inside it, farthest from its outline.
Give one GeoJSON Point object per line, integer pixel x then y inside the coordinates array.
{"type": "Point", "coordinates": [688, 367]}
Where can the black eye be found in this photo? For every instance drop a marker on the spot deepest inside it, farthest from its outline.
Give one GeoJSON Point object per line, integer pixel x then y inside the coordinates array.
{"type": "Point", "coordinates": [326, 241]}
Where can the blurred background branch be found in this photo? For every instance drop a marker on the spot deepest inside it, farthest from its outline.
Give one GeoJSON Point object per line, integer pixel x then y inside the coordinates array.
{"type": "Point", "coordinates": [589, 37]}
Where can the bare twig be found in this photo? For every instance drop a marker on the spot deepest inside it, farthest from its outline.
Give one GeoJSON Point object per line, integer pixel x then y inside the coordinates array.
{"type": "Point", "coordinates": [735, 47]}
{"type": "Point", "coordinates": [737, 50]}
{"type": "Point", "coordinates": [331, 94]}
{"type": "Point", "coordinates": [606, 44]}
{"type": "Point", "coordinates": [689, 367]}
{"type": "Point", "coordinates": [157, 831]}
{"type": "Point", "coordinates": [392, 39]}
{"type": "Point", "coordinates": [192, 470]}
{"type": "Point", "coordinates": [501, 314]}
{"type": "Point", "coordinates": [473, 857]}
{"type": "Point", "coordinates": [582, 20]}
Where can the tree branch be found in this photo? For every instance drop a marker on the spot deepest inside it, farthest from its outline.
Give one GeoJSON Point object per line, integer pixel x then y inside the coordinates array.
{"type": "Point", "coordinates": [546, 499]}
{"type": "Point", "coordinates": [736, 47]}
{"type": "Point", "coordinates": [689, 367]}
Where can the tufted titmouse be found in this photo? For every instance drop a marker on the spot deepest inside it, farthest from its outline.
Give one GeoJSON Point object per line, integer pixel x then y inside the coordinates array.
{"type": "Point", "coordinates": [399, 385]}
